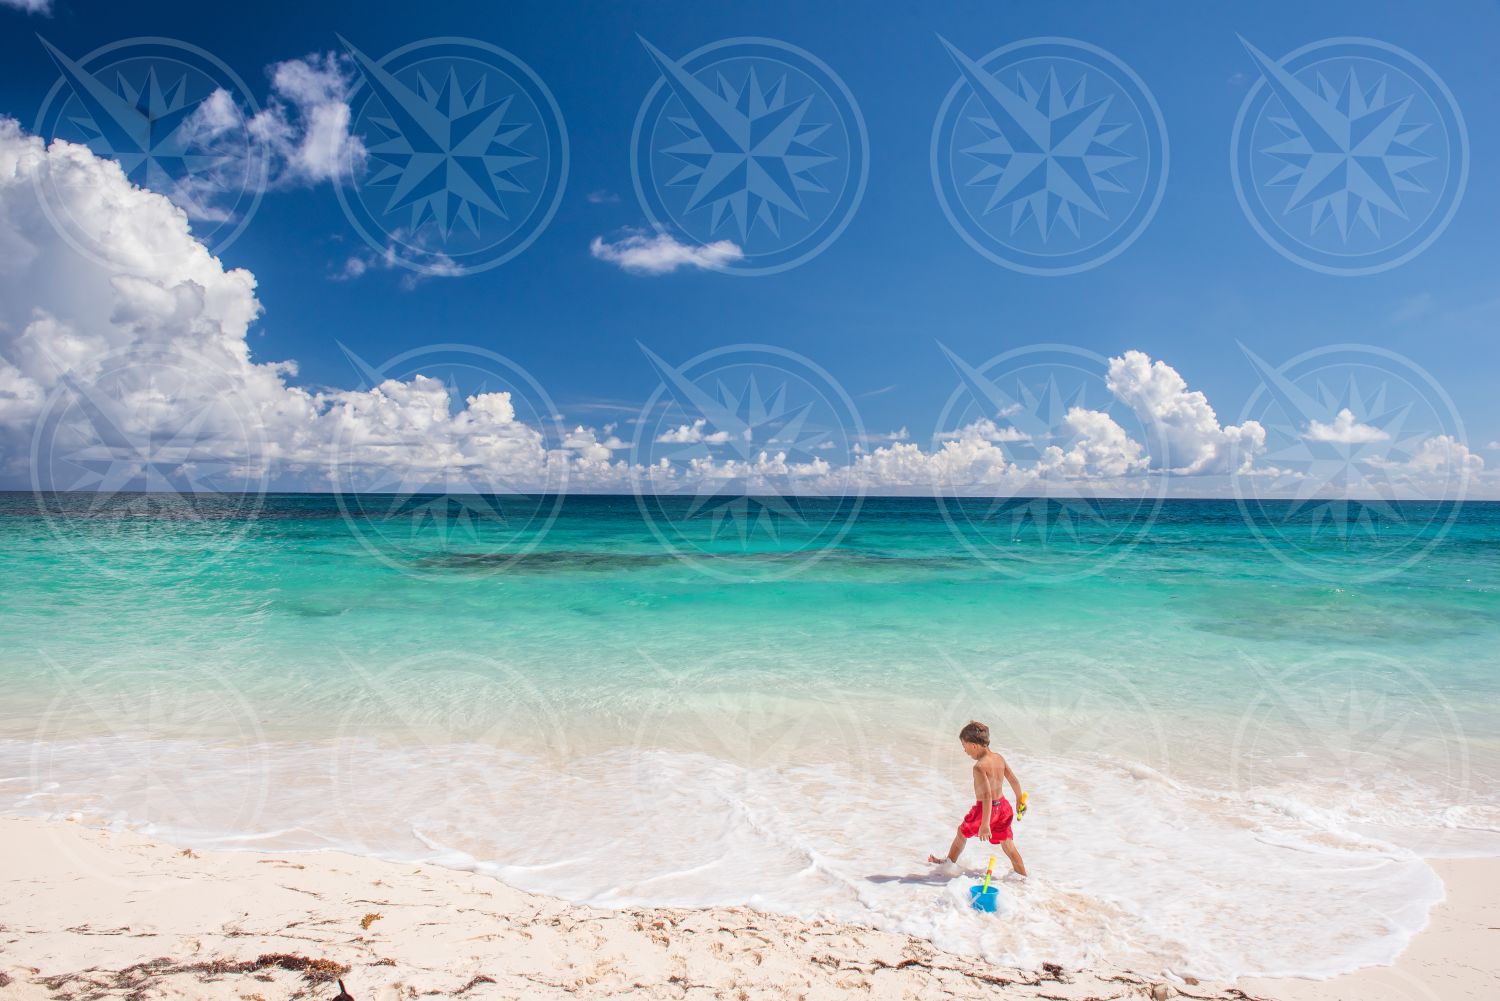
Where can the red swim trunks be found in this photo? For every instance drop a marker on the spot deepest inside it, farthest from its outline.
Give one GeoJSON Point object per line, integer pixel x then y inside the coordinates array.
{"type": "Point", "coordinates": [1000, 817]}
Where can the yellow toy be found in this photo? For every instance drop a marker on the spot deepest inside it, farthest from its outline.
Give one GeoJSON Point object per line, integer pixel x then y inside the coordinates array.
{"type": "Point", "coordinates": [1021, 806]}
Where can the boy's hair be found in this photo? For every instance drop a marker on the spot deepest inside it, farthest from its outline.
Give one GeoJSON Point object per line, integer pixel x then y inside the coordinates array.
{"type": "Point", "coordinates": [975, 733]}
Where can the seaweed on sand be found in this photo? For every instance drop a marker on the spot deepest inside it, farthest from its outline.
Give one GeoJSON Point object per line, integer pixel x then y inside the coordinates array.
{"type": "Point", "coordinates": [133, 980]}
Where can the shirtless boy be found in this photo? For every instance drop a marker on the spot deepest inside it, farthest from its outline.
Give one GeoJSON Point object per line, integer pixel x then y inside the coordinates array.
{"type": "Point", "coordinates": [991, 814]}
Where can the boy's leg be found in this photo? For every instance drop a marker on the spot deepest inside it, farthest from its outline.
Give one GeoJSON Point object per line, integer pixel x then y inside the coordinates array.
{"type": "Point", "coordinates": [1014, 854]}
{"type": "Point", "coordinates": [954, 851]}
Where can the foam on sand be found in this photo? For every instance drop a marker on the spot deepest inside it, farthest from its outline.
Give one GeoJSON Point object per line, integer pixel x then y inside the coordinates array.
{"type": "Point", "coordinates": [1131, 868]}
{"type": "Point", "coordinates": [220, 926]}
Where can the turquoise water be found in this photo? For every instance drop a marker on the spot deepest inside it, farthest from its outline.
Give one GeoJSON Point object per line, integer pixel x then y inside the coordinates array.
{"type": "Point", "coordinates": [1243, 730]}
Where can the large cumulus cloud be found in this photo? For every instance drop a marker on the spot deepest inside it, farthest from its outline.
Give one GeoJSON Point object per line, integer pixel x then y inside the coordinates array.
{"type": "Point", "coordinates": [1193, 440]}
{"type": "Point", "coordinates": [150, 340]}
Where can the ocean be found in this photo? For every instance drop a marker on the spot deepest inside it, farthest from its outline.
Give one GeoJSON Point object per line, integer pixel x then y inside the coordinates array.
{"type": "Point", "coordinates": [1243, 728]}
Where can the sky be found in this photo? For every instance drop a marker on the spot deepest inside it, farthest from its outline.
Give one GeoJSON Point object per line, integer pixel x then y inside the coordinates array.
{"type": "Point", "coordinates": [894, 250]}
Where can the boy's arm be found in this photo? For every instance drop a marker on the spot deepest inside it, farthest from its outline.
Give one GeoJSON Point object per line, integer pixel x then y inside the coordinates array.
{"type": "Point", "coordinates": [1015, 783]}
{"type": "Point", "coordinates": [986, 800]}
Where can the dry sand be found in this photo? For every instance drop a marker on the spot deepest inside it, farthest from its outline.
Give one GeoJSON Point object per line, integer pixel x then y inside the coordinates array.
{"type": "Point", "coordinates": [87, 913]}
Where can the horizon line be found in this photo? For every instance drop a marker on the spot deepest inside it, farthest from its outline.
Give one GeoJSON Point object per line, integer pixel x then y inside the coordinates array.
{"type": "Point", "coordinates": [799, 496]}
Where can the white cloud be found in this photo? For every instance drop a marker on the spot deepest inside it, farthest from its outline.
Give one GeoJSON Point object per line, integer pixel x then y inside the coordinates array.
{"type": "Point", "coordinates": [215, 115]}
{"type": "Point", "coordinates": [988, 430]}
{"type": "Point", "coordinates": [874, 438]}
{"type": "Point", "coordinates": [586, 441]}
{"type": "Point", "coordinates": [215, 132]}
{"type": "Point", "coordinates": [407, 251]}
{"type": "Point", "coordinates": [353, 268]}
{"type": "Point", "coordinates": [301, 137]}
{"type": "Point", "coordinates": [640, 254]}
{"type": "Point", "coordinates": [1193, 442]}
{"type": "Point", "coordinates": [66, 320]}
{"type": "Point", "coordinates": [767, 472]}
{"type": "Point", "coordinates": [695, 433]}
{"type": "Point", "coordinates": [1097, 450]}
{"type": "Point", "coordinates": [1100, 448]}
{"type": "Point", "coordinates": [1444, 455]}
{"type": "Point", "coordinates": [1345, 430]}
{"type": "Point", "coordinates": [959, 465]}
{"type": "Point", "coordinates": [30, 6]}
{"type": "Point", "coordinates": [305, 125]}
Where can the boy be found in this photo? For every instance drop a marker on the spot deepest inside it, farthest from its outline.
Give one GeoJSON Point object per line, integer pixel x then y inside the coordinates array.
{"type": "Point", "coordinates": [991, 815]}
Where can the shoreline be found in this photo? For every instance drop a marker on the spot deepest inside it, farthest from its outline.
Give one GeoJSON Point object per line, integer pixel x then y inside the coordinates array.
{"type": "Point", "coordinates": [90, 912]}
{"type": "Point", "coordinates": [1455, 957]}
{"type": "Point", "coordinates": [96, 913]}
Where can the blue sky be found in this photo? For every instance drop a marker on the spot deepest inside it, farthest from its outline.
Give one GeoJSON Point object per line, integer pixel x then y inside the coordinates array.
{"type": "Point", "coordinates": [871, 307]}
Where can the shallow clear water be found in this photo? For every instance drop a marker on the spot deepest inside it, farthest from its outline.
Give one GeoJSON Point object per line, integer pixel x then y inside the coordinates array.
{"type": "Point", "coordinates": [1242, 731]}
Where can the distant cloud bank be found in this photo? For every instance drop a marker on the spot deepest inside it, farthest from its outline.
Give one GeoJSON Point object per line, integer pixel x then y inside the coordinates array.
{"type": "Point", "coordinates": [67, 321]}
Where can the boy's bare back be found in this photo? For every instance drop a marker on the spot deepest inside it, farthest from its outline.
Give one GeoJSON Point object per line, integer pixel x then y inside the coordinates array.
{"type": "Point", "coordinates": [989, 776]}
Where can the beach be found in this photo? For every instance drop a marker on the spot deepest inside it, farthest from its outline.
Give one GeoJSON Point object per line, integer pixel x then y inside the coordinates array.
{"type": "Point", "coordinates": [1453, 957]}
{"type": "Point", "coordinates": [96, 914]}
{"type": "Point", "coordinates": [1238, 772]}
{"type": "Point", "coordinates": [424, 564]}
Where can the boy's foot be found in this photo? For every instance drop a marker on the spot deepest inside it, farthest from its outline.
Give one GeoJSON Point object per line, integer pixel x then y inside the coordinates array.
{"type": "Point", "coordinates": [936, 860]}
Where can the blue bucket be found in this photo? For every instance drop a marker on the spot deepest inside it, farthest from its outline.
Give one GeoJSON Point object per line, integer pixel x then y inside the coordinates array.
{"type": "Point", "coordinates": [984, 900]}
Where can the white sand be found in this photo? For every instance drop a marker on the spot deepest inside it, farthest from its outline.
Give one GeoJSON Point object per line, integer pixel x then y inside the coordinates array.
{"type": "Point", "coordinates": [87, 913]}
{"type": "Point", "coordinates": [1456, 957]}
